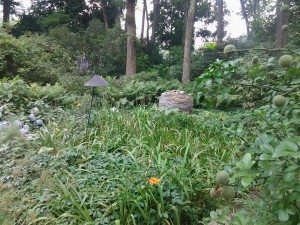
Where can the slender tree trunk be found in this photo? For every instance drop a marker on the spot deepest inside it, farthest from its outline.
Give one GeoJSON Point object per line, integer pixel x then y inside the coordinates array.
{"type": "Point", "coordinates": [186, 13]}
{"type": "Point", "coordinates": [220, 28]}
{"type": "Point", "coordinates": [245, 15]}
{"type": "Point", "coordinates": [104, 12]}
{"type": "Point", "coordinates": [143, 20]}
{"type": "Point", "coordinates": [6, 11]}
{"type": "Point", "coordinates": [131, 37]}
{"type": "Point", "coordinates": [156, 7]}
{"type": "Point", "coordinates": [189, 34]}
{"type": "Point", "coordinates": [148, 22]}
{"type": "Point", "coordinates": [282, 19]}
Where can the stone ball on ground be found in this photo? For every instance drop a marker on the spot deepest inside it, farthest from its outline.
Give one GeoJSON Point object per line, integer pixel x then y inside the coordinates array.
{"type": "Point", "coordinates": [19, 123]}
{"type": "Point", "coordinates": [39, 123]}
{"type": "Point", "coordinates": [32, 117]}
{"type": "Point", "coordinates": [34, 110]}
{"type": "Point", "coordinates": [176, 99]}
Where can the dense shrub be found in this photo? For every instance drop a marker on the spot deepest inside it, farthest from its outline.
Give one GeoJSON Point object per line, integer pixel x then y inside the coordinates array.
{"type": "Point", "coordinates": [105, 49]}
{"type": "Point", "coordinates": [143, 89]}
{"type": "Point", "coordinates": [18, 96]}
{"type": "Point", "coordinates": [33, 58]}
{"type": "Point", "coordinates": [240, 82]}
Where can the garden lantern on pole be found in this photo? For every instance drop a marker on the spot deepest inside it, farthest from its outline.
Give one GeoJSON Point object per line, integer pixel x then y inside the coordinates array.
{"type": "Point", "coordinates": [95, 81]}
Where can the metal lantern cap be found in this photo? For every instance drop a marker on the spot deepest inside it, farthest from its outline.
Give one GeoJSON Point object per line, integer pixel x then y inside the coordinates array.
{"type": "Point", "coordinates": [96, 81]}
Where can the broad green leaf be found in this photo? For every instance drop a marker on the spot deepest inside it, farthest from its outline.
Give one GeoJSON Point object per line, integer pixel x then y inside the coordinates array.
{"type": "Point", "coordinates": [246, 181]}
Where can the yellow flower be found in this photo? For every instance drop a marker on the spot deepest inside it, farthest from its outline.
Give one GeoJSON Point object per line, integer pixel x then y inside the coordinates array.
{"type": "Point", "coordinates": [154, 181]}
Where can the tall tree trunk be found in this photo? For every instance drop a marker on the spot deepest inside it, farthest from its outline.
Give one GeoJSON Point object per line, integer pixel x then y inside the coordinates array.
{"type": "Point", "coordinates": [282, 19]}
{"type": "Point", "coordinates": [156, 7]}
{"type": "Point", "coordinates": [189, 34]}
{"type": "Point", "coordinates": [148, 22]}
{"type": "Point", "coordinates": [186, 13]}
{"type": "Point", "coordinates": [104, 13]}
{"type": "Point", "coordinates": [220, 27]}
{"type": "Point", "coordinates": [245, 15]}
{"type": "Point", "coordinates": [6, 10]}
{"type": "Point", "coordinates": [131, 37]}
{"type": "Point", "coordinates": [143, 20]}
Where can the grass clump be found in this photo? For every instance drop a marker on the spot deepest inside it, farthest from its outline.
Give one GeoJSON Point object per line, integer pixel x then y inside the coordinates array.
{"type": "Point", "coordinates": [107, 173]}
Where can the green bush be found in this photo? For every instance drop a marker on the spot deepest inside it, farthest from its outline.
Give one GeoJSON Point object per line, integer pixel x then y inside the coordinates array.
{"type": "Point", "coordinates": [272, 164]}
{"type": "Point", "coordinates": [33, 58]}
{"type": "Point", "coordinates": [105, 49]}
{"type": "Point", "coordinates": [143, 89]}
{"type": "Point", "coordinates": [14, 92]}
{"type": "Point", "coordinates": [19, 96]}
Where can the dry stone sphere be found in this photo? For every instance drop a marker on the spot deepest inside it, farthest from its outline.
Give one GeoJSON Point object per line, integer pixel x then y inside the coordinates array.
{"type": "Point", "coordinates": [176, 100]}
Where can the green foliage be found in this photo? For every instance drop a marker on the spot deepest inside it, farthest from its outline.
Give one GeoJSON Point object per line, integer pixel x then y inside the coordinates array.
{"type": "Point", "coordinates": [273, 163]}
{"type": "Point", "coordinates": [171, 19]}
{"type": "Point", "coordinates": [105, 49]}
{"type": "Point", "coordinates": [101, 174]}
{"type": "Point", "coordinates": [33, 58]}
{"type": "Point", "coordinates": [143, 89]}
{"type": "Point", "coordinates": [18, 96]}
{"type": "Point", "coordinates": [54, 20]}
{"type": "Point", "coordinates": [14, 92]}
{"type": "Point", "coordinates": [212, 88]}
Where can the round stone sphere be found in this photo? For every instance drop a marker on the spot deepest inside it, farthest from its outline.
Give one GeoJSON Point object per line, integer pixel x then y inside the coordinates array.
{"type": "Point", "coordinates": [176, 99]}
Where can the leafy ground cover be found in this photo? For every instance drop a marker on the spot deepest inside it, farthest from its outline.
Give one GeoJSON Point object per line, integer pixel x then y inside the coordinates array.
{"type": "Point", "coordinates": [77, 175]}
{"type": "Point", "coordinates": [139, 165]}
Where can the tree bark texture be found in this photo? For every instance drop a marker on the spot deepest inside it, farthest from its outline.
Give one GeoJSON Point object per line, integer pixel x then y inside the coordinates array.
{"type": "Point", "coordinates": [156, 6]}
{"type": "Point", "coordinates": [148, 22]}
{"type": "Point", "coordinates": [131, 38]}
{"type": "Point", "coordinates": [246, 16]}
{"type": "Point", "coordinates": [282, 19]}
{"type": "Point", "coordinates": [220, 27]}
{"type": "Point", "coordinates": [104, 13]}
{"type": "Point", "coordinates": [143, 20]}
{"type": "Point", "coordinates": [189, 34]}
{"type": "Point", "coordinates": [6, 10]}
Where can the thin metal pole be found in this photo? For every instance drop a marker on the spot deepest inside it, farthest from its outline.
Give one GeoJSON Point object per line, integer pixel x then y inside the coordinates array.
{"type": "Point", "coordinates": [90, 112]}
